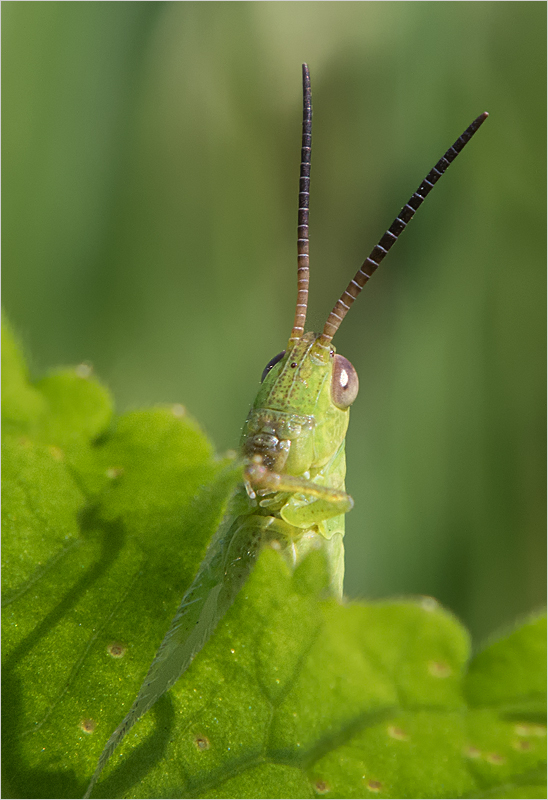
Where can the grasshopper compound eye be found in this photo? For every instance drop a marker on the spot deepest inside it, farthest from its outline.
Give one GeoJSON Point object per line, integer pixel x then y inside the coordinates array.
{"type": "Point", "coordinates": [344, 382]}
{"type": "Point", "coordinates": [272, 363]}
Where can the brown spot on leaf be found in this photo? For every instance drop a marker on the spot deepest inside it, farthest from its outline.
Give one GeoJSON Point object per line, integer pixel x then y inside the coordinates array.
{"type": "Point", "coordinates": [439, 669]}
{"type": "Point", "coordinates": [116, 649]}
{"type": "Point", "coordinates": [472, 752]}
{"type": "Point", "coordinates": [521, 745]}
{"type": "Point", "coordinates": [202, 743]}
{"type": "Point", "coordinates": [88, 725]}
{"type": "Point", "coordinates": [397, 733]}
{"type": "Point", "coordinates": [374, 786]}
{"type": "Point", "coordinates": [321, 787]}
{"type": "Point", "coordinates": [494, 758]}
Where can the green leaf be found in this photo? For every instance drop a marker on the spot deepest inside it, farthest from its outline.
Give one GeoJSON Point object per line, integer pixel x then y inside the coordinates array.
{"type": "Point", "coordinates": [298, 697]}
{"type": "Point", "coordinates": [101, 537]}
{"type": "Point", "coordinates": [21, 403]}
{"type": "Point", "coordinates": [510, 672]}
{"type": "Point", "coordinates": [295, 695]}
{"type": "Point", "coordinates": [64, 409]}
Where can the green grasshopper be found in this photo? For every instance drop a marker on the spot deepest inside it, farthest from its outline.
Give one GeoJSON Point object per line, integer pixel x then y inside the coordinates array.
{"type": "Point", "coordinates": [293, 495]}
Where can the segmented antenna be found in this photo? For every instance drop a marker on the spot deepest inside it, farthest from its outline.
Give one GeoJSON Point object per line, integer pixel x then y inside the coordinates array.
{"type": "Point", "coordinates": [379, 251]}
{"type": "Point", "coordinates": [303, 259]}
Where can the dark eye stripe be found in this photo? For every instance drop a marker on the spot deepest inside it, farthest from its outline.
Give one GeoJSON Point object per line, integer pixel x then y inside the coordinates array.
{"type": "Point", "coordinates": [272, 363]}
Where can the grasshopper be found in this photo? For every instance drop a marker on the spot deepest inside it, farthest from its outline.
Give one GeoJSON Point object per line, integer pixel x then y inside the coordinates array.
{"type": "Point", "coordinates": [292, 447]}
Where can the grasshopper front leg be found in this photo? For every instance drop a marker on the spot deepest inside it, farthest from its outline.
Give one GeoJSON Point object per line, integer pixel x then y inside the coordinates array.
{"type": "Point", "coordinates": [310, 502]}
{"type": "Point", "coordinates": [311, 514]}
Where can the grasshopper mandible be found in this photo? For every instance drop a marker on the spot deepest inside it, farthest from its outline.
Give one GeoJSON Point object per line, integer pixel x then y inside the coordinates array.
{"type": "Point", "coordinates": [293, 495]}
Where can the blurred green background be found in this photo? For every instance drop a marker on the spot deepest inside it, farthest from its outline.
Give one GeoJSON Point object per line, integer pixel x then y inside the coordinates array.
{"type": "Point", "coordinates": [150, 165]}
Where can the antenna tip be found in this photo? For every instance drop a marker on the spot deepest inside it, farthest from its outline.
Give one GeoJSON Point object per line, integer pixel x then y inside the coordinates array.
{"type": "Point", "coordinates": [477, 123]}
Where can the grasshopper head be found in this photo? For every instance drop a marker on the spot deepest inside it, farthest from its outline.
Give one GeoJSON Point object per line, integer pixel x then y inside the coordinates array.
{"type": "Point", "coordinates": [300, 415]}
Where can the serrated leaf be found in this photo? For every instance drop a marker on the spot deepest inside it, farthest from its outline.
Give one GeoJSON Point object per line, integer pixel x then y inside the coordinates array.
{"type": "Point", "coordinates": [294, 683]}
{"type": "Point", "coordinates": [65, 409]}
{"type": "Point", "coordinates": [21, 403]}
{"type": "Point", "coordinates": [294, 695]}
{"type": "Point", "coordinates": [83, 580]}
{"type": "Point", "coordinates": [510, 672]}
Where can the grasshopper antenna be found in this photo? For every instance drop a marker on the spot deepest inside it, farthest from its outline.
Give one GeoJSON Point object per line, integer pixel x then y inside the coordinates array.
{"type": "Point", "coordinates": [303, 258]}
{"type": "Point", "coordinates": [398, 226]}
